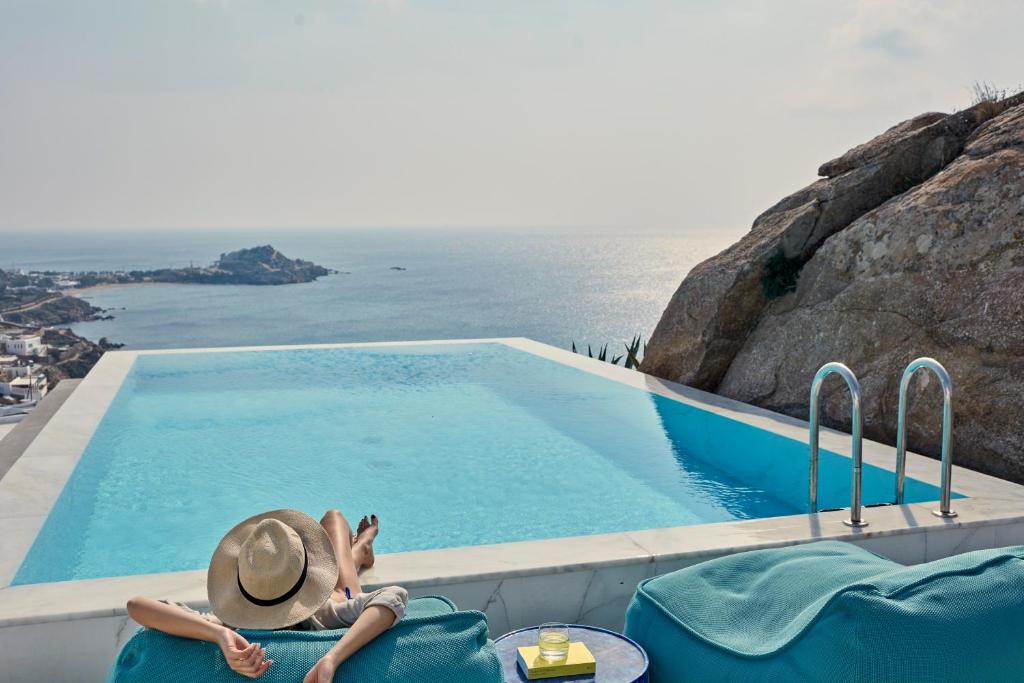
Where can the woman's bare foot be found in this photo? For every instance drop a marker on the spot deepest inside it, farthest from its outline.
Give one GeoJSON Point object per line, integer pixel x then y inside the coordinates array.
{"type": "Point", "coordinates": [362, 549]}
{"type": "Point", "coordinates": [363, 523]}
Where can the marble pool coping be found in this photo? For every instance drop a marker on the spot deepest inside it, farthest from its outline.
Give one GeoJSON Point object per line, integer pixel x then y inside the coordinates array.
{"type": "Point", "coordinates": [33, 483]}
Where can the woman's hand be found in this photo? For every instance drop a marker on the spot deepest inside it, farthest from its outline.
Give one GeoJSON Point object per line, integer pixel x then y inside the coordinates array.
{"type": "Point", "coordinates": [243, 658]}
{"type": "Point", "coordinates": [322, 671]}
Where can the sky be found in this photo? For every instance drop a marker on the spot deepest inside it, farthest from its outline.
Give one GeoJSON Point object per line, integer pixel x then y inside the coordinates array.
{"type": "Point", "coordinates": [637, 115]}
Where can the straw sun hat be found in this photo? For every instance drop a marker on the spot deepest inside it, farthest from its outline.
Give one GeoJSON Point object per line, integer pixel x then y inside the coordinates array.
{"type": "Point", "coordinates": [271, 571]}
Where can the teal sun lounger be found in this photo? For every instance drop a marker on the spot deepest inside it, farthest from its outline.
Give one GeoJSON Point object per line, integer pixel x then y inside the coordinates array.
{"type": "Point", "coordinates": [834, 612]}
{"type": "Point", "coordinates": [433, 642]}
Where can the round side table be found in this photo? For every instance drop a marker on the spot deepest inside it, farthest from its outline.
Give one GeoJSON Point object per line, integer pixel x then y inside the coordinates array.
{"type": "Point", "coordinates": [619, 659]}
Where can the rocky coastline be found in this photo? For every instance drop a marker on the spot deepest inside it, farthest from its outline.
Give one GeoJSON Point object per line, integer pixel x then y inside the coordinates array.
{"type": "Point", "coordinates": [61, 310]}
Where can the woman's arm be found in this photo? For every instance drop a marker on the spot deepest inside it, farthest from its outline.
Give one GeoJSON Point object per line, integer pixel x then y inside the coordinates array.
{"type": "Point", "coordinates": [374, 620]}
{"type": "Point", "coordinates": [248, 660]}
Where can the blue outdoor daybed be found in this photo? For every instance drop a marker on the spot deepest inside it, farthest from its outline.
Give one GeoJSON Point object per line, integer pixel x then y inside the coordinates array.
{"type": "Point", "coordinates": [433, 642]}
{"type": "Point", "coordinates": [834, 612]}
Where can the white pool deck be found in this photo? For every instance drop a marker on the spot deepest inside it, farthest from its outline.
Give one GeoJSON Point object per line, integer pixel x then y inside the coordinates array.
{"type": "Point", "coordinates": [586, 579]}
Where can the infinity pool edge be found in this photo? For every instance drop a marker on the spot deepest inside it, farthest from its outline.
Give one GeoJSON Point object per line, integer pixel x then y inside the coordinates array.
{"type": "Point", "coordinates": [582, 578]}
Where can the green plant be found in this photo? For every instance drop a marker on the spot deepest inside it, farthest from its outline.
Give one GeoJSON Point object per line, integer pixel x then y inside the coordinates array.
{"type": "Point", "coordinates": [781, 273]}
{"type": "Point", "coordinates": [632, 355]}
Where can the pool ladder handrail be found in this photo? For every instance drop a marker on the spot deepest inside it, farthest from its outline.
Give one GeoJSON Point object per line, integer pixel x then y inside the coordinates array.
{"type": "Point", "coordinates": [947, 432]}
{"type": "Point", "coordinates": [855, 519]}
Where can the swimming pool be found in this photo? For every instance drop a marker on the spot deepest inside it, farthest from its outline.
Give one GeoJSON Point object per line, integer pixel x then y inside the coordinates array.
{"type": "Point", "coordinates": [451, 444]}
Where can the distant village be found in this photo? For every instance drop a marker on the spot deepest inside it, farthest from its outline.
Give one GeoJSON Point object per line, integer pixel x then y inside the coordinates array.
{"type": "Point", "coordinates": [36, 352]}
{"type": "Point", "coordinates": [21, 372]}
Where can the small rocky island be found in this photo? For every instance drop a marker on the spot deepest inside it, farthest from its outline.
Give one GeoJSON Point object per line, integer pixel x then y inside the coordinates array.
{"type": "Point", "coordinates": [263, 265]}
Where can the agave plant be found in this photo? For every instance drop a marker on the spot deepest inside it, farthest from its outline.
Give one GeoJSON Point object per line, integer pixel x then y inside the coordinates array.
{"type": "Point", "coordinates": [632, 355]}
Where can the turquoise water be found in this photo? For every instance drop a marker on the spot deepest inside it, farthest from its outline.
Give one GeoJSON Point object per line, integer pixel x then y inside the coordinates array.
{"type": "Point", "coordinates": [451, 445]}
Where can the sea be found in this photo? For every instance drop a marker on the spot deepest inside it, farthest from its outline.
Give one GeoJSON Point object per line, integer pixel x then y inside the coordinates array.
{"type": "Point", "coordinates": [556, 286]}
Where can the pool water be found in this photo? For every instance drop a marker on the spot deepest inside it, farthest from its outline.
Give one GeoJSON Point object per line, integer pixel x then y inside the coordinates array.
{"type": "Point", "coordinates": [450, 444]}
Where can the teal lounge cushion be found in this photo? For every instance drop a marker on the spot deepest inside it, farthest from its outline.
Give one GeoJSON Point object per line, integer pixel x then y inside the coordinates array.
{"type": "Point", "coordinates": [433, 642]}
{"type": "Point", "coordinates": [834, 612]}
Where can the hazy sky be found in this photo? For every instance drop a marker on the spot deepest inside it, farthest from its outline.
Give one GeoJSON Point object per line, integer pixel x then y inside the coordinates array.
{"type": "Point", "coordinates": [636, 113]}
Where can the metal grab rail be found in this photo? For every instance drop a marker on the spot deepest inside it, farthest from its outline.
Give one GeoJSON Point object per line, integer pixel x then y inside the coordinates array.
{"type": "Point", "coordinates": [947, 432]}
{"type": "Point", "coordinates": [855, 433]}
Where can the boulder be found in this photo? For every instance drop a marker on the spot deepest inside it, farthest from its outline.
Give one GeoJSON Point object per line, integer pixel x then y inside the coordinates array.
{"type": "Point", "coordinates": [719, 302]}
{"type": "Point", "coordinates": [913, 246]}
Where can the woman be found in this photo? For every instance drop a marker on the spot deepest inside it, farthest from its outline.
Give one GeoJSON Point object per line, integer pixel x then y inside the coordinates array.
{"type": "Point", "coordinates": [283, 570]}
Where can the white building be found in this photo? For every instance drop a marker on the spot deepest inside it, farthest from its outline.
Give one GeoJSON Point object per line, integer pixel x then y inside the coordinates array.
{"type": "Point", "coordinates": [30, 388]}
{"type": "Point", "coordinates": [23, 344]}
{"type": "Point", "coordinates": [17, 370]}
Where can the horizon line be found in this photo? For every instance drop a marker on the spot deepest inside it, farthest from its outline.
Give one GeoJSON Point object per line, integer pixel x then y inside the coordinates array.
{"type": "Point", "coordinates": [20, 231]}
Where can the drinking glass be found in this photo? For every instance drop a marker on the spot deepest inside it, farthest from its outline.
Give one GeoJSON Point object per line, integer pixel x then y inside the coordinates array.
{"type": "Point", "coordinates": [553, 641]}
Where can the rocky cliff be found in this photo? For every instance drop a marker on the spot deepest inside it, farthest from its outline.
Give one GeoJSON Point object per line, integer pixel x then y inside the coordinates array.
{"type": "Point", "coordinates": [912, 244]}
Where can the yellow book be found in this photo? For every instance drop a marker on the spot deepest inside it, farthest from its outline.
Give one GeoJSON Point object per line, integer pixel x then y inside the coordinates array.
{"type": "Point", "coordinates": [578, 661]}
